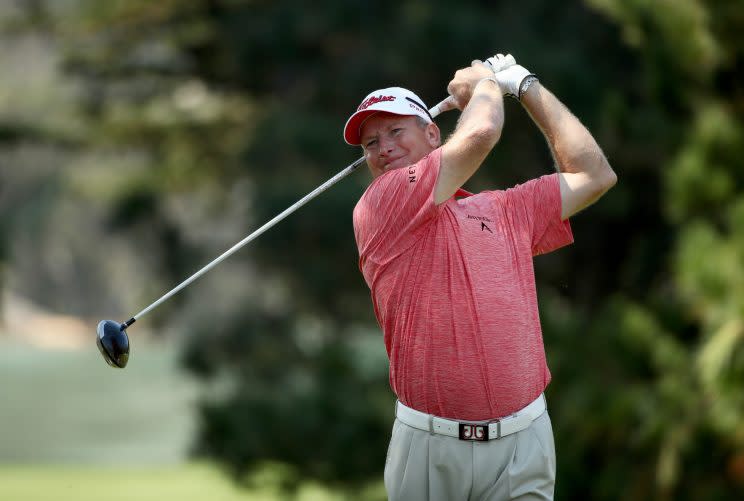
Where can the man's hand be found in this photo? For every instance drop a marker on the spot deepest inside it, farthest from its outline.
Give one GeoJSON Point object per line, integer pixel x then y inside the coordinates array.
{"type": "Point", "coordinates": [462, 86]}
{"type": "Point", "coordinates": [500, 62]}
{"type": "Point", "coordinates": [509, 74]}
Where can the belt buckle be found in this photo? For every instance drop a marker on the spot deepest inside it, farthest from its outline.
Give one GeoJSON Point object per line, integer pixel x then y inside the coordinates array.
{"type": "Point", "coordinates": [476, 432]}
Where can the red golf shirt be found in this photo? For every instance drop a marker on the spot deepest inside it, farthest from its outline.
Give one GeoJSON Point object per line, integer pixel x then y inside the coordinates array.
{"type": "Point", "coordinates": [453, 288]}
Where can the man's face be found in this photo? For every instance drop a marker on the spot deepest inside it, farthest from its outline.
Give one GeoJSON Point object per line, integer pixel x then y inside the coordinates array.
{"type": "Point", "coordinates": [395, 141]}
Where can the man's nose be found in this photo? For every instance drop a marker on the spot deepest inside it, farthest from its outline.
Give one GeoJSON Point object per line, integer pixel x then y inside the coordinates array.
{"type": "Point", "coordinates": [386, 146]}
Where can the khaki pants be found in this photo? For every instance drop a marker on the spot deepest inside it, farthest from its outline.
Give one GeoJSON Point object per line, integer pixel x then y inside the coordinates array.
{"type": "Point", "coordinates": [425, 466]}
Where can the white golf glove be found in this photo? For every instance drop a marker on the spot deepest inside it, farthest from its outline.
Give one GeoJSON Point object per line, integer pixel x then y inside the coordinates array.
{"type": "Point", "coordinates": [509, 74]}
{"type": "Point", "coordinates": [500, 62]}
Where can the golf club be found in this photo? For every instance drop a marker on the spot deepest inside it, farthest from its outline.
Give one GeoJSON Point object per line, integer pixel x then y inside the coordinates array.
{"type": "Point", "coordinates": [112, 339]}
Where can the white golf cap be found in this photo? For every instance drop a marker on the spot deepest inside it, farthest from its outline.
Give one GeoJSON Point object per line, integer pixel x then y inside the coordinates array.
{"type": "Point", "coordinates": [396, 100]}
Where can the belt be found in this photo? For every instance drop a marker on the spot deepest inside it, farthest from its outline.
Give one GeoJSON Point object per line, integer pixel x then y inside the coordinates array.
{"type": "Point", "coordinates": [472, 430]}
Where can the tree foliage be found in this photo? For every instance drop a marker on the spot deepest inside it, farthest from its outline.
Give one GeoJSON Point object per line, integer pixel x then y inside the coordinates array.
{"type": "Point", "coordinates": [195, 121]}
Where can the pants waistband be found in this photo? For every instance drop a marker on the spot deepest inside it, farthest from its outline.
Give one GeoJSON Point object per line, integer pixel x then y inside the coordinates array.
{"type": "Point", "coordinates": [472, 430]}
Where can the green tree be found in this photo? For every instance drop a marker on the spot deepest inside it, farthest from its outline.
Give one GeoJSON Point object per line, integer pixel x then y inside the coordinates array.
{"type": "Point", "coordinates": [196, 121]}
{"type": "Point", "coordinates": [667, 413]}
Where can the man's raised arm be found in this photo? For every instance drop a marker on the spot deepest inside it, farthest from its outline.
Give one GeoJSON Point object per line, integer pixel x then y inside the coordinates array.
{"type": "Point", "coordinates": [479, 97]}
{"type": "Point", "coordinates": [585, 174]}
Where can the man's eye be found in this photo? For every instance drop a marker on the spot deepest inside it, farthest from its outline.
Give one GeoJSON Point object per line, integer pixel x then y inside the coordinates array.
{"type": "Point", "coordinates": [370, 143]}
{"type": "Point", "coordinates": [397, 131]}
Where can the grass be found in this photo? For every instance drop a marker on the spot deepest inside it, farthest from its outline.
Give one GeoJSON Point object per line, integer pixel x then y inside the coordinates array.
{"type": "Point", "coordinates": [83, 483]}
{"type": "Point", "coordinates": [182, 483]}
{"type": "Point", "coordinates": [72, 428]}
{"type": "Point", "coordinates": [70, 407]}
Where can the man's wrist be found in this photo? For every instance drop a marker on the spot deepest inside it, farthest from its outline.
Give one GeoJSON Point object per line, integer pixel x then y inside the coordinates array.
{"type": "Point", "coordinates": [525, 85]}
{"type": "Point", "coordinates": [492, 79]}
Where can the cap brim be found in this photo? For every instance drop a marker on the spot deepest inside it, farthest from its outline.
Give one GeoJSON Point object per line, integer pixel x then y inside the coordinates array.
{"type": "Point", "coordinates": [351, 130]}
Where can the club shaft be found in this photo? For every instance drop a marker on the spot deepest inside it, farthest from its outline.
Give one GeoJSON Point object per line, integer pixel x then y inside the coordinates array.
{"type": "Point", "coordinates": [444, 105]}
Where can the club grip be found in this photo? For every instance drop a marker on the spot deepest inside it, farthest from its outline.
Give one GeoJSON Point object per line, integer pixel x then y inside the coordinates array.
{"type": "Point", "coordinates": [445, 104]}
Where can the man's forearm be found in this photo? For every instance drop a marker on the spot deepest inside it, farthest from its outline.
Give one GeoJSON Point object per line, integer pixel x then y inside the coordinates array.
{"type": "Point", "coordinates": [484, 111]}
{"type": "Point", "coordinates": [573, 147]}
{"type": "Point", "coordinates": [477, 131]}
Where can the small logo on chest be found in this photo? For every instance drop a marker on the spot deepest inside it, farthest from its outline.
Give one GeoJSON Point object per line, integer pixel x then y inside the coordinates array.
{"type": "Point", "coordinates": [411, 175]}
{"type": "Point", "coordinates": [483, 220]}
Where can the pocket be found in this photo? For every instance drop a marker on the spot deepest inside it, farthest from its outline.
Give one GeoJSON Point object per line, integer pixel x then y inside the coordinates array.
{"type": "Point", "coordinates": [390, 444]}
{"type": "Point", "coordinates": [532, 472]}
{"type": "Point", "coordinates": [398, 458]}
{"type": "Point", "coordinates": [542, 432]}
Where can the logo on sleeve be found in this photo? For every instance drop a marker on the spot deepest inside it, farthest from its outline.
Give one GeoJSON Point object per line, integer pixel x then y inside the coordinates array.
{"type": "Point", "coordinates": [411, 174]}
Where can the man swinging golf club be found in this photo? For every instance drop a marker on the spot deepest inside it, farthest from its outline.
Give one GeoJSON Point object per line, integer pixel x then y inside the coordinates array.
{"type": "Point", "coordinates": [453, 286]}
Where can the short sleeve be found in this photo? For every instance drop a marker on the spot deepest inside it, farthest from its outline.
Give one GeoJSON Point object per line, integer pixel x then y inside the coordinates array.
{"type": "Point", "coordinates": [536, 205]}
{"type": "Point", "coordinates": [395, 209]}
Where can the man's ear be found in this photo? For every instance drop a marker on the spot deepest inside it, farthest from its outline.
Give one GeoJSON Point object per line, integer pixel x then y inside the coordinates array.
{"type": "Point", "coordinates": [433, 135]}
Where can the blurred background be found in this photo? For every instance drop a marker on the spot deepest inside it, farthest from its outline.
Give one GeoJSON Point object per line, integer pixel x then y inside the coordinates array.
{"type": "Point", "coordinates": [140, 139]}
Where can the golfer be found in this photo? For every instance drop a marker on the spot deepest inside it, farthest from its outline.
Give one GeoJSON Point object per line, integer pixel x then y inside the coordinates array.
{"type": "Point", "coordinates": [453, 287]}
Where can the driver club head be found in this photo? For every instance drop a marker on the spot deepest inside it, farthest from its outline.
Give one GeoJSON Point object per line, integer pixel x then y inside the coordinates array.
{"type": "Point", "coordinates": [113, 343]}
